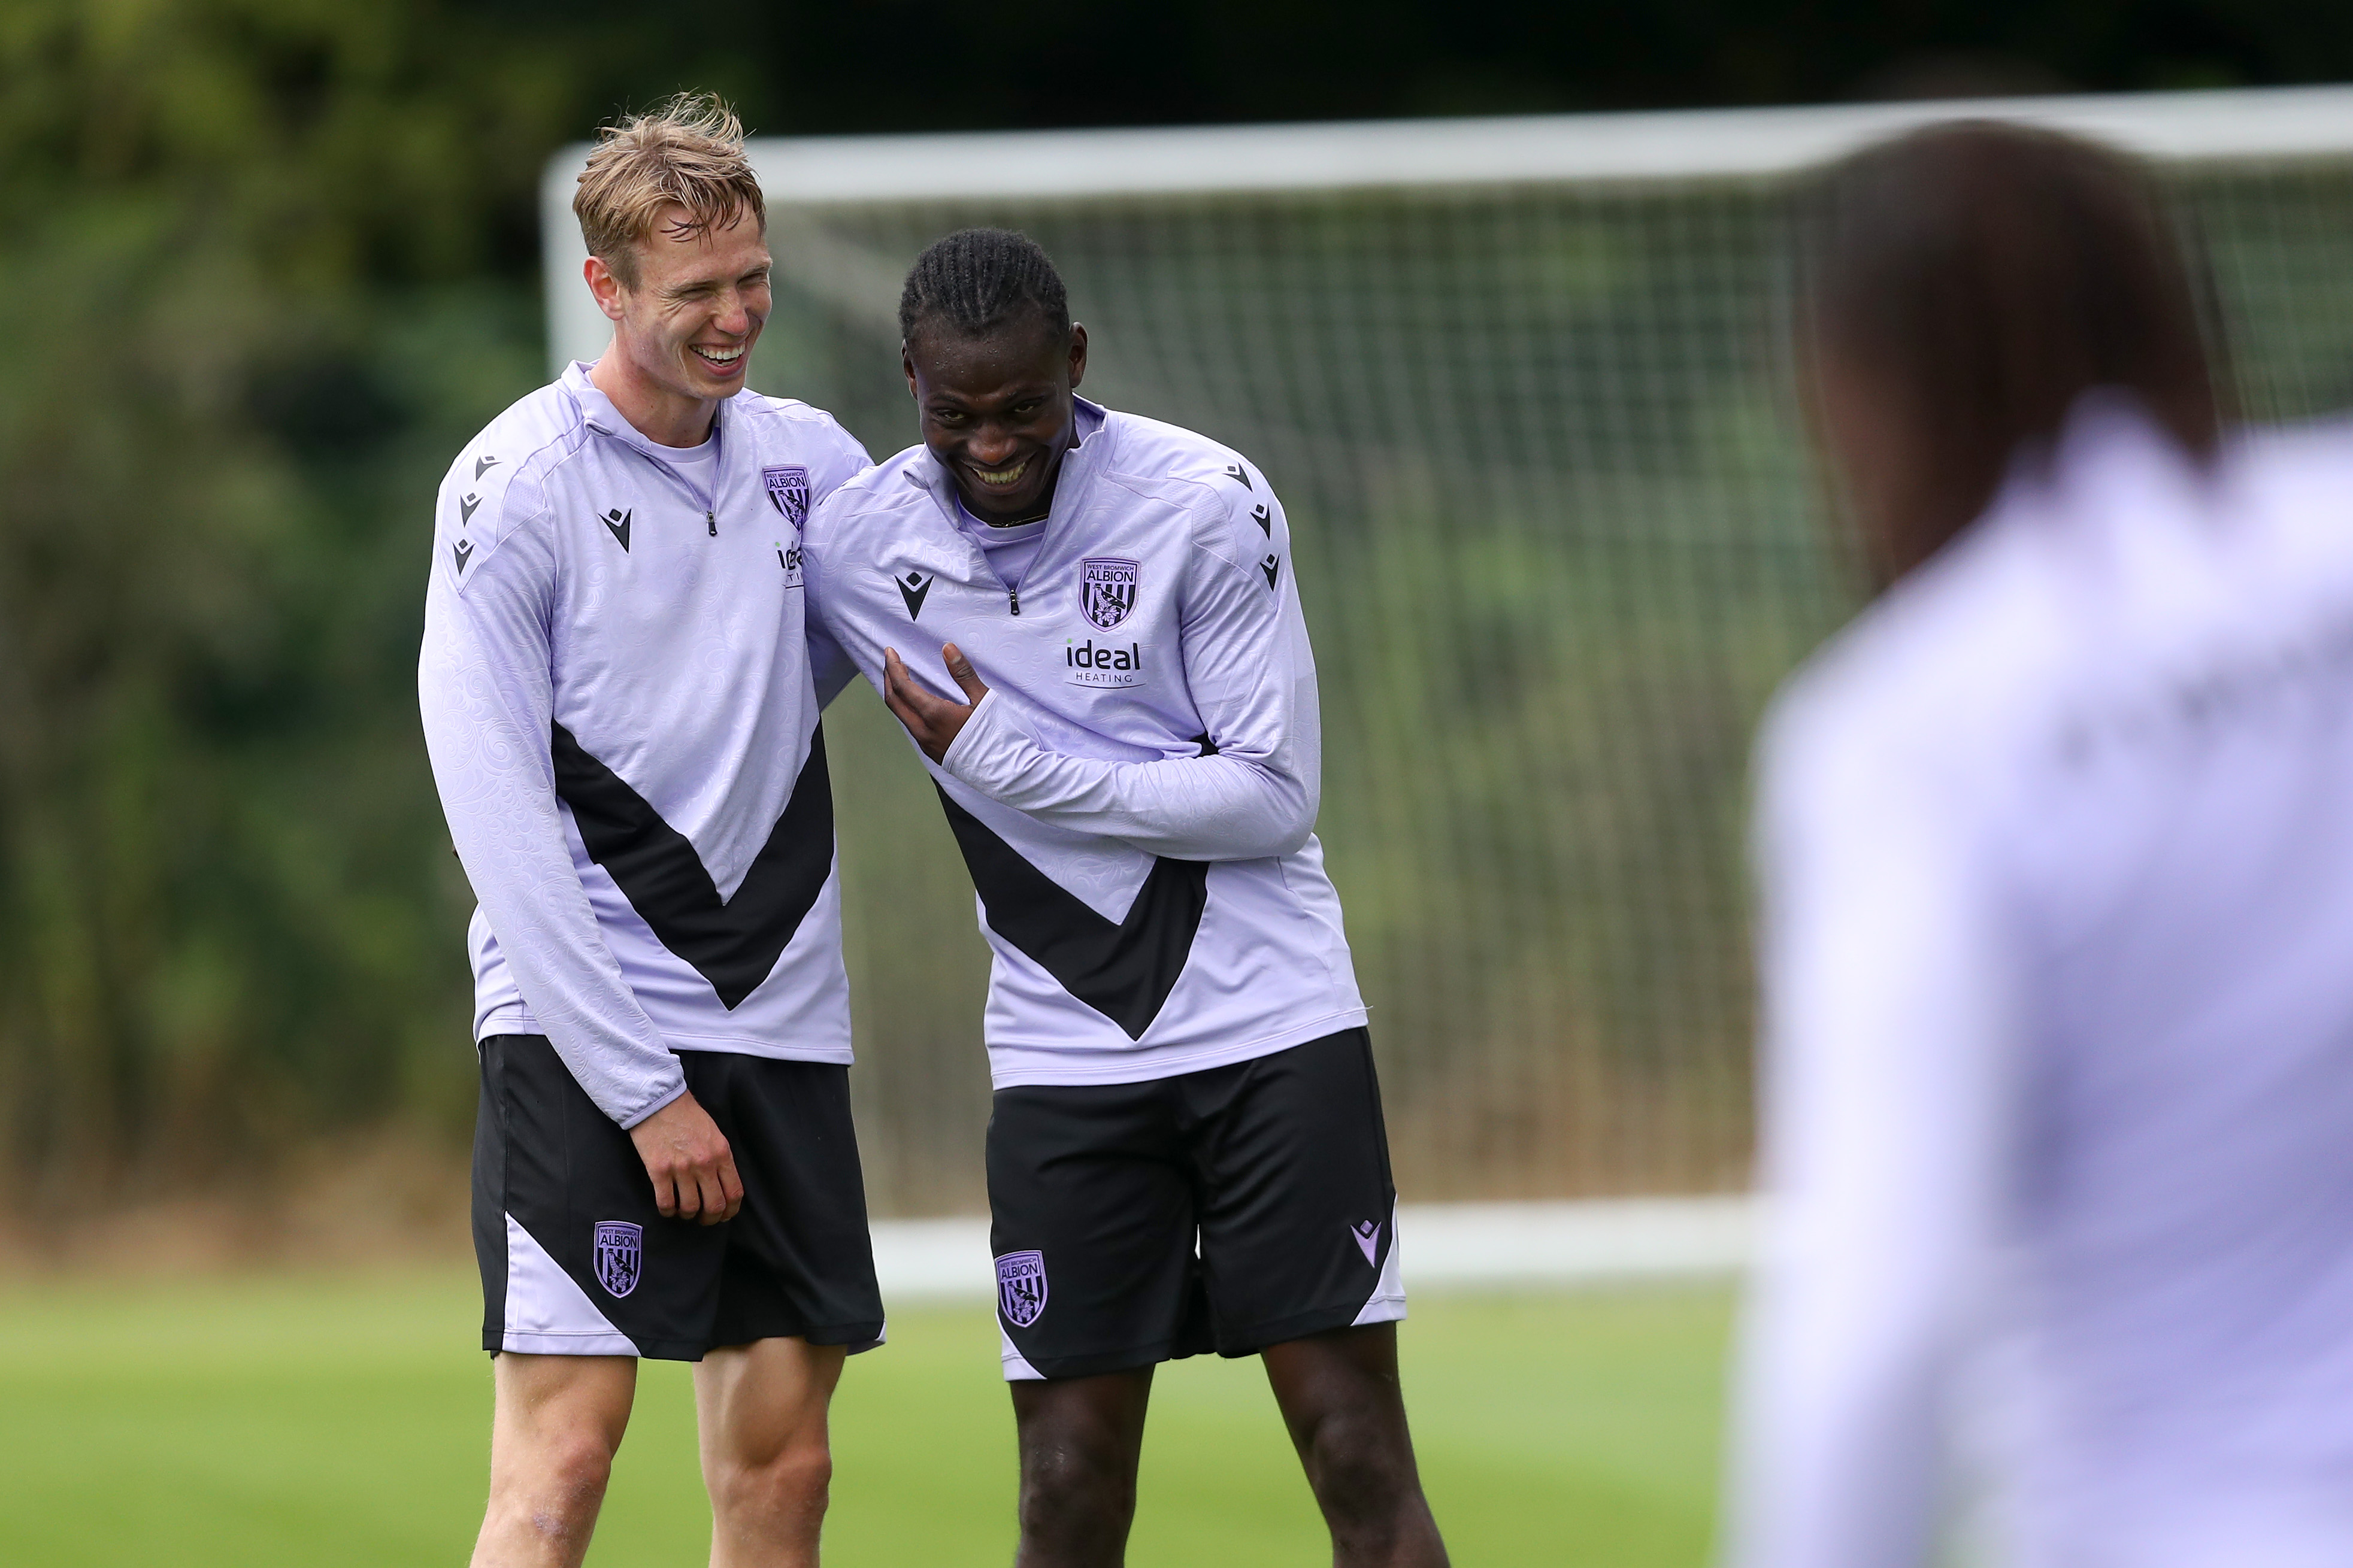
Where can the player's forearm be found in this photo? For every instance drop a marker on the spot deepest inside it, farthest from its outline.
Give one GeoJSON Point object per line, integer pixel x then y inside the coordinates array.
{"type": "Point", "coordinates": [1836, 1459]}
{"type": "Point", "coordinates": [1220, 807]}
{"type": "Point", "coordinates": [619, 1061]}
{"type": "Point", "coordinates": [498, 795]}
{"type": "Point", "coordinates": [532, 897]}
{"type": "Point", "coordinates": [1886, 1124]}
{"type": "Point", "coordinates": [1876, 1194]}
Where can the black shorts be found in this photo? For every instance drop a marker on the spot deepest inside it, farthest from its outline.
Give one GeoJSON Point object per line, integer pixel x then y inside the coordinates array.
{"type": "Point", "coordinates": [1228, 1209]}
{"type": "Point", "coordinates": [576, 1260]}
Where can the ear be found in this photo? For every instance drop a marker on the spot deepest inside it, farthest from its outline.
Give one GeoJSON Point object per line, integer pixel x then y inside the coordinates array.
{"type": "Point", "coordinates": [1078, 353]}
{"type": "Point", "coordinates": [907, 369]}
{"type": "Point", "coordinates": [606, 286]}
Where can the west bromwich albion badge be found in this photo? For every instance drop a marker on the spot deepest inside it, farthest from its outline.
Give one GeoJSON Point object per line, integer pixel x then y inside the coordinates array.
{"type": "Point", "coordinates": [1106, 590]}
{"type": "Point", "coordinates": [789, 489]}
{"type": "Point", "coordinates": [1021, 1286]}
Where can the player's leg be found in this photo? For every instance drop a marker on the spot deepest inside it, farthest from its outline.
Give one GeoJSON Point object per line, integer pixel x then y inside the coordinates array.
{"type": "Point", "coordinates": [580, 1275]}
{"type": "Point", "coordinates": [555, 1425]}
{"type": "Point", "coordinates": [1340, 1397]}
{"type": "Point", "coordinates": [1299, 1254]}
{"type": "Point", "coordinates": [760, 1410]}
{"type": "Point", "coordinates": [1091, 1221]}
{"type": "Point", "coordinates": [1081, 1440]}
{"type": "Point", "coordinates": [797, 1294]}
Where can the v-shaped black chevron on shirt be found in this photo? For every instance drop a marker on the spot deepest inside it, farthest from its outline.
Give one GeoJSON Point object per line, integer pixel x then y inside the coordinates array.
{"type": "Point", "coordinates": [732, 943]}
{"type": "Point", "coordinates": [1123, 971]}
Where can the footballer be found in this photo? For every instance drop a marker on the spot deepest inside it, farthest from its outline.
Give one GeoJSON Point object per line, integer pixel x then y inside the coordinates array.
{"type": "Point", "coordinates": [1185, 1152]}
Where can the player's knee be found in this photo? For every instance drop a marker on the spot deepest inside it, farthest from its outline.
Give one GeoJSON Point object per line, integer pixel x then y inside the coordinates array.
{"type": "Point", "coordinates": [1067, 1490]}
{"type": "Point", "coordinates": [559, 1485]}
{"type": "Point", "coordinates": [794, 1479]}
{"type": "Point", "coordinates": [1363, 1475]}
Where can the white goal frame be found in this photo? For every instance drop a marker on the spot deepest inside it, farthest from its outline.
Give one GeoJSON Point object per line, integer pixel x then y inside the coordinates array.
{"type": "Point", "coordinates": [1475, 1245]}
{"type": "Point", "coordinates": [2244, 125]}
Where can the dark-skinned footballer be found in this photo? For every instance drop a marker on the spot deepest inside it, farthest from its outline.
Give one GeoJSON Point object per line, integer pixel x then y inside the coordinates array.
{"type": "Point", "coordinates": [1186, 1152]}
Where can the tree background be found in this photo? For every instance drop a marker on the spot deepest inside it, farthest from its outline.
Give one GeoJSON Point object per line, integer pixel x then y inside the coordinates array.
{"type": "Point", "coordinates": [265, 263]}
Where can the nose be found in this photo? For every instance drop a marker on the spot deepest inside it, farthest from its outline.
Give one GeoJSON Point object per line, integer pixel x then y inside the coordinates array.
{"type": "Point", "coordinates": [991, 446]}
{"type": "Point", "coordinates": [734, 314]}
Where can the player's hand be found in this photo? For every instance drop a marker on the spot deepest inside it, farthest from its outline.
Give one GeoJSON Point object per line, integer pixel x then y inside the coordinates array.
{"type": "Point", "coordinates": [933, 721]}
{"type": "Point", "coordinates": [692, 1168]}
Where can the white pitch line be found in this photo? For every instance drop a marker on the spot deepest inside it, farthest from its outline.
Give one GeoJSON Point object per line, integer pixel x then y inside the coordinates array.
{"type": "Point", "coordinates": [1448, 1247]}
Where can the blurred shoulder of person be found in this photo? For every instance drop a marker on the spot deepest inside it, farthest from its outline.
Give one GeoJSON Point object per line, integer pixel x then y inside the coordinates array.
{"type": "Point", "coordinates": [2057, 884]}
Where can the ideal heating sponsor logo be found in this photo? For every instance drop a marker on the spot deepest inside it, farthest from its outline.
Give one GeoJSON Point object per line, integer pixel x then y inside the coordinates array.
{"type": "Point", "coordinates": [1105, 664]}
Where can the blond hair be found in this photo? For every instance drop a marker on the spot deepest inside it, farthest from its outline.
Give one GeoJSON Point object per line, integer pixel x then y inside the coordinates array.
{"type": "Point", "coordinates": [690, 152]}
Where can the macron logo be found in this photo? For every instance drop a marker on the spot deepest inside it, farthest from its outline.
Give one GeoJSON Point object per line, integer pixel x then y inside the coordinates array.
{"type": "Point", "coordinates": [912, 588]}
{"type": "Point", "coordinates": [617, 523]}
{"type": "Point", "coordinates": [1368, 1238]}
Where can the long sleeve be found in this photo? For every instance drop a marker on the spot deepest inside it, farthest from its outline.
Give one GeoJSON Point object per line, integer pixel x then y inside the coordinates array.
{"type": "Point", "coordinates": [486, 692]}
{"type": "Point", "coordinates": [1887, 1055]}
{"type": "Point", "coordinates": [1253, 791]}
{"type": "Point", "coordinates": [830, 669]}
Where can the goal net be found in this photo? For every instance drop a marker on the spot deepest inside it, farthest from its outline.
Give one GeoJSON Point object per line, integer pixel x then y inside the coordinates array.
{"type": "Point", "coordinates": [1523, 385]}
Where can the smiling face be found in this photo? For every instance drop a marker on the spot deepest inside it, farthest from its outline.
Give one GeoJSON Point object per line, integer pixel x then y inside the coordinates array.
{"type": "Point", "coordinates": [997, 410]}
{"type": "Point", "coordinates": [683, 330]}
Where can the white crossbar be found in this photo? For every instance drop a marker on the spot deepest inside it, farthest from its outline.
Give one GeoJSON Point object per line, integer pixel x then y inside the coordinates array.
{"type": "Point", "coordinates": [2251, 124]}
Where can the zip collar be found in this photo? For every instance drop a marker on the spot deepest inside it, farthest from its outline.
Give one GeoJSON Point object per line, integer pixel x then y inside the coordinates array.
{"type": "Point", "coordinates": [597, 412]}
{"type": "Point", "coordinates": [1080, 465]}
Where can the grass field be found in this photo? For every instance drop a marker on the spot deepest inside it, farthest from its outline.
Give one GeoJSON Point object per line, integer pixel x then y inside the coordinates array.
{"type": "Point", "coordinates": [304, 1421]}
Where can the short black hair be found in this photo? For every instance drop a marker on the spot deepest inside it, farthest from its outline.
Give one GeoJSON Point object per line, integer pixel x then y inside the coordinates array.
{"type": "Point", "coordinates": [980, 279]}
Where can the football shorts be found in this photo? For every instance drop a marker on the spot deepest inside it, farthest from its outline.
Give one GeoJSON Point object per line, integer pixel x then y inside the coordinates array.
{"type": "Point", "coordinates": [576, 1259]}
{"type": "Point", "coordinates": [1228, 1209]}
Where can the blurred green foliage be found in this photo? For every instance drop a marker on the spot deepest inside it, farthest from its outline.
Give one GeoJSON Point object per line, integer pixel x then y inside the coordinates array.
{"type": "Point", "coordinates": [242, 250]}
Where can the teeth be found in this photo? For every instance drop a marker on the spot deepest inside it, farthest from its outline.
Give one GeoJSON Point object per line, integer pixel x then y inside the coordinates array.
{"type": "Point", "coordinates": [1001, 476]}
{"type": "Point", "coordinates": [723, 356]}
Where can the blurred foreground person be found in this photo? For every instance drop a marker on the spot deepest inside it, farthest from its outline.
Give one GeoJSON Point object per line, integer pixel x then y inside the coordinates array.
{"type": "Point", "coordinates": [623, 721]}
{"type": "Point", "coordinates": [2056, 846]}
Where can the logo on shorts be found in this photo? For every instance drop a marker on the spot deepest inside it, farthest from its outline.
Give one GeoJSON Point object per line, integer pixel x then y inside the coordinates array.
{"type": "Point", "coordinates": [1368, 1238]}
{"type": "Point", "coordinates": [620, 1255]}
{"type": "Point", "coordinates": [1021, 1288]}
{"type": "Point", "coordinates": [1106, 591]}
{"type": "Point", "coordinates": [788, 489]}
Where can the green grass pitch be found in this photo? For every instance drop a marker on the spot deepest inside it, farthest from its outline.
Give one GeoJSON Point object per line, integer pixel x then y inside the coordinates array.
{"type": "Point", "coordinates": [304, 1421]}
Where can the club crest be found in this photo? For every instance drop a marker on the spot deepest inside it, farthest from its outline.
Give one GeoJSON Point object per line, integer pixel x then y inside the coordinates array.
{"type": "Point", "coordinates": [1021, 1288]}
{"type": "Point", "coordinates": [1106, 590]}
{"type": "Point", "coordinates": [620, 1255]}
{"type": "Point", "coordinates": [789, 489]}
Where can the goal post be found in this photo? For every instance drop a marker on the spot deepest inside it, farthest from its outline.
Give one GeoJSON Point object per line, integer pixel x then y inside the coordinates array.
{"type": "Point", "coordinates": [2261, 125]}
{"type": "Point", "coordinates": [1523, 385]}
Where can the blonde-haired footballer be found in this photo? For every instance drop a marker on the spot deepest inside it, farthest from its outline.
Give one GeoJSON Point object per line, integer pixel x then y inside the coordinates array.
{"type": "Point", "coordinates": [623, 723]}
